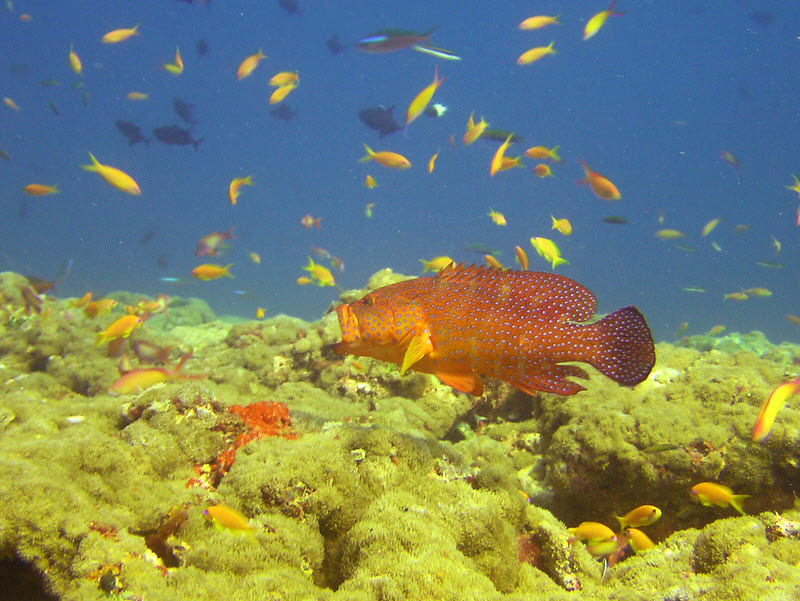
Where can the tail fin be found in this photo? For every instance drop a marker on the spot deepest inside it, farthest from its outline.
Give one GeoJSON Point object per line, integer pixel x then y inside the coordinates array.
{"type": "Point", "coordinates": [624, 350]}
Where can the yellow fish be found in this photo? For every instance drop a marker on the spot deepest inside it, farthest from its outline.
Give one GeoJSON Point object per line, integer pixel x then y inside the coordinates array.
{"type": "Point", "coordinates": [711, 493]}
{"type": "Point", "coordinates": [120, 35]}
{"type": "Point", "coordinates": [548, 250]}
{"type": "Point", "coordinates": [116, 177]}
{"type": "Point", "coordinates": [538, 22]}
{"type": "Point", "coordinates": [436, 264]}
{"type": "Point", "coordinates": [643, 515]}
{"type": "Point", "coordinates": [432, 162]}
{"type": "Point", "coordinates": [176, 66]}
{"type": "Point", "coordinates": [474, 130]}
{"type": "Point", "coordinates": [498, 218]}
{"type": "Point", "coordinates": [534, 54]}
{"type": "Point", "coordinates": [562, 225]}
{"type": "Point", "coordinates": [597, 21]}
{"type": "Point", "coordinates": [497, 160]}
{"type": "Point", "coordinates": [422, 99]}
{"type": "Point", "coordinates": [284, 78]}
{"type": "Point", "coordinates": [709, 227]}
{"type": "Point", "coordinates": [771, 407]}
{"type": "Point", "coordinates": [248, 65]}
{"type": "Point", "coordinates": [74, 62]}
{"type": "Point", "coordinates": [121, 328]}
{"type": "Point", "coordinates": [370, 182]}
{"type": "Point", "coordinates": [320, 274]}
{"type": "Point", "coordinates": [226, 519]}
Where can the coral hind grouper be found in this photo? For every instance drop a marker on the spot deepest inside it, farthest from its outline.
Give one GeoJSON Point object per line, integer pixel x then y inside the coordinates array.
{"type": "Point", "coordinates": [522, 327]}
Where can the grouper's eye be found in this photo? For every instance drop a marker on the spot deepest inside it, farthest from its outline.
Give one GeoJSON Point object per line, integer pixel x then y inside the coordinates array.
{"type": "Point", "coordinates": [367, 301]}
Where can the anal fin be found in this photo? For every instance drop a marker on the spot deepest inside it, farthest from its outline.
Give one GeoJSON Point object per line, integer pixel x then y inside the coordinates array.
{"type": "Point", "coordinates": [467, 382]}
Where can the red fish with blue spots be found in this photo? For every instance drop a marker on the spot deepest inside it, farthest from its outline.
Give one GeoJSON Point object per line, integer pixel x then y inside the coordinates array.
{"type": "Point", "coordinates": [518, 326]}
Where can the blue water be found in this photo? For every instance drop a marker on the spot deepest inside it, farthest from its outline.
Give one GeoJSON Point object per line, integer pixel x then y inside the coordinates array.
{"type": "Point", "coordinates": [650, 102]}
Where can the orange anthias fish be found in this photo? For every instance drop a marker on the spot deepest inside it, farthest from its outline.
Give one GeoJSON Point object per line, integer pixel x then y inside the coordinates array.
{"type": "Point", "coordinates": [137, 380]}
{"type": "Point", "coordinates": [600, 185]}
{"type": "Point", "coordinates": [517, 326]}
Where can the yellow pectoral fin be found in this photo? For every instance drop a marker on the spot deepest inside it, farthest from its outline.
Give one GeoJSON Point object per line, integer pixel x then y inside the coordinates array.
{"type": "Point", "coordinates": [419, 346]}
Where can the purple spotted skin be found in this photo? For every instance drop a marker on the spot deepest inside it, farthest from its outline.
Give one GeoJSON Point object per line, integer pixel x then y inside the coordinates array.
{"type": "Point", "coordinates": [517, 326]}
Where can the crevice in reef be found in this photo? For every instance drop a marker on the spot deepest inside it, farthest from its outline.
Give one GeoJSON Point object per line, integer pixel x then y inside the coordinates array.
{"type": "Point", "coordinates": [22, 582]}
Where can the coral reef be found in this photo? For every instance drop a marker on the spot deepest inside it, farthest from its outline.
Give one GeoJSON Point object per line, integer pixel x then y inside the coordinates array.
{"type": "Point", "coordinates": [360, 484]}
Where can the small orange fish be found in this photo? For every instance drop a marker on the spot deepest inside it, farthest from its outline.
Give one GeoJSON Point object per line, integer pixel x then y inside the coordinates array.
{"type": "Point", "coordinates": [137, 380]}
{"type": "Point", "coordinates": [543, 170]}
{"type": "Point", "coordinates": [370, 182]}
{"type": "Point", "coordinates": [121, 328]}
{"type": "Point", "coordinates": [772, 406]}
{"type": "Point", "coordinates": [11, 104]}
{"type": "Point", "coordinates": [308, 222]}
{"type": "Point", "coordinates": [432, 162]}
{"type": "Point", "coordinates": [260, 313]}
{"type": "Point", "coordinates": [523, 327]}
{"type": "Point", "coordinates": [210, 271]}
{"type": "Point", "coordinates": [82, 301]}
{"type": "Point", "coordinates": [711, 493]}
{"type": "Point", "coordinates": [543, 152]}
{"type": "Point", "coordinates": [120, 35]}
{"type": "Point", "coordinates": [255, 258]}
{"type": "Point", "coordinates": [601, 186]}
{"type": "Point", "coordinates": [491, 261]}
{"type": "Point", "coordinates": [522, 257]}
{"type": "Point", "coordinates": [729, 158]}
{"type": "Point", "coordinates": [40, 189]}
{"type": "Point", "coordinates": [99, 307]}
{"type": "Point", "coordinates": [534, 54]}
{"type": "Point", "coordinates": [137, 96]}
{"type": "Point", "coordinates": [236, 183]}
{"type": "Point", "coordinates": [248, 65]}
{"type": "Point", "coordinates": [386, 158]}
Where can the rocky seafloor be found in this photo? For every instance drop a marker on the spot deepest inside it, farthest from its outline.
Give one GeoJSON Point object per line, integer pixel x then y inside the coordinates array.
{"type": "Point", "coordinates": [360, 484]}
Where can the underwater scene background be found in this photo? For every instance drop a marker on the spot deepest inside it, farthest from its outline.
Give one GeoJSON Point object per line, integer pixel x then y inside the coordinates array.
{"type": "Point", "coordinates": [185, 434]}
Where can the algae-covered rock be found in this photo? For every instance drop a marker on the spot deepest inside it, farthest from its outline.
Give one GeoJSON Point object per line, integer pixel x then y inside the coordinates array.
{"type": "Point", "coordinates": [371, 485]}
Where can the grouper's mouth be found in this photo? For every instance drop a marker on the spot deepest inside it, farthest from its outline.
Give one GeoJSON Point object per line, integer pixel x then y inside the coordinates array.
{"type": "Point", "coordinates": [348, 324]}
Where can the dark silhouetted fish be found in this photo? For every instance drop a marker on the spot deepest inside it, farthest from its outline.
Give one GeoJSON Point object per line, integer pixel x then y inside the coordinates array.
{"type": "Point", "coordinates": [131, 131]}
{"type": "Point", "coordinates": [291, 6]}
{"type": "Point", "coordinates": [175, 136]}
{"type": "Point", "coordinates": [500, 135]}
{"type": "Point", "coordinates": [148, 235]}
{"type": "Point", "coordinates": [334, 45]}
{"type": "Point", "coordinates": [380, 119]}
{"type": "Point", "coordinates": [184, 111]}
{"type": "Point", "coordinates": [284, 112]}
{"type": "Point", "coordinates": [202, 47]}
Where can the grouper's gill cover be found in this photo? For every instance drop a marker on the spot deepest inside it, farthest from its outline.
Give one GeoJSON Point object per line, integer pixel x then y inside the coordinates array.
{"type": "Point", "coordinates": [517, 326]}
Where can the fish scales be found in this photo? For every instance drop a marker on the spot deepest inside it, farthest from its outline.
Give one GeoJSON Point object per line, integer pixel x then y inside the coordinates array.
{"type": "Point", "coordinates": [517, 326]}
